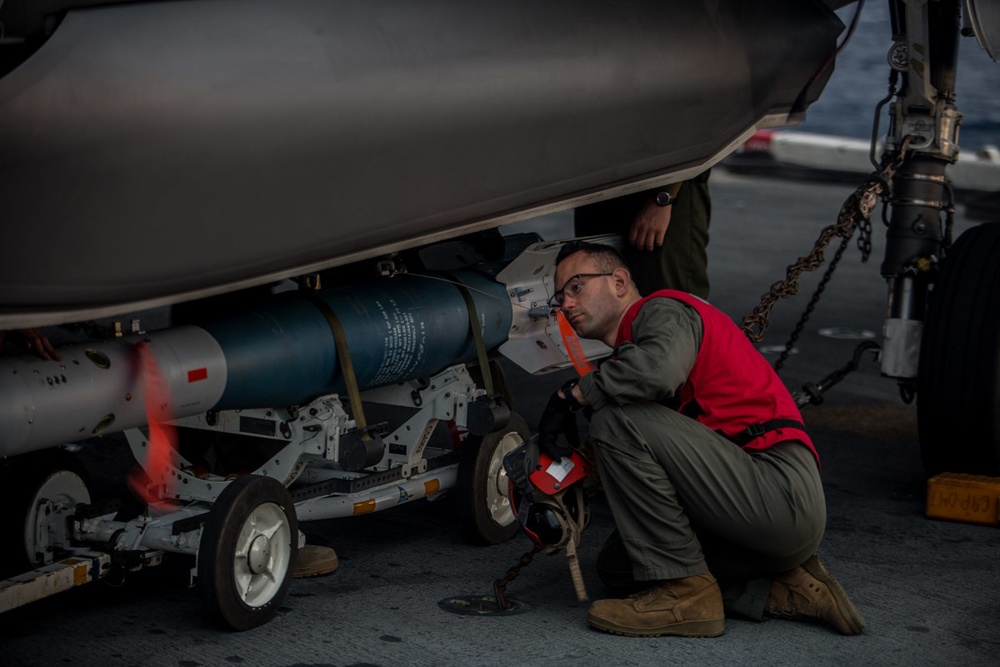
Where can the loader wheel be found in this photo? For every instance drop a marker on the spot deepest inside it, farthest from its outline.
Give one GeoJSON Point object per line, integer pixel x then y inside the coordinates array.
{"type": "Point", "coordinates": [247, 550]}
{"type": "Point", "coordinates": [958, 388]}
{"type": "Point", "coordinates": [36, 490]}
{"type": "Point", "coordinates": [482, 490]}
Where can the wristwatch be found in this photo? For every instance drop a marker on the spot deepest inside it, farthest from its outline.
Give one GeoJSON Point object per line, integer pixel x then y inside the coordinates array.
{"type": "Point", "coordinates": [567, 390]}
{"type": "Point", "coordinates": [663, 198]}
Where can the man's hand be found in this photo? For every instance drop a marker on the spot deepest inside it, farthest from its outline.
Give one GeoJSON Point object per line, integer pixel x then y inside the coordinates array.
{"type": "Point", "coordinates": [650, 226]}
{"type": "Point", "coordinates": [37, 343]}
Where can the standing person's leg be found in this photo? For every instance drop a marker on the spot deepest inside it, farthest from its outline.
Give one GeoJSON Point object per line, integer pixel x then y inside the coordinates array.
{"type": "Point", "coordinates": [611, 216]}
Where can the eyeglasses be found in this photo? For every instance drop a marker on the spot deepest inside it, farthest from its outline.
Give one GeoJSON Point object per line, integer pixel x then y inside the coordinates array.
{"type": "Point", "coordinates": [572, 287]}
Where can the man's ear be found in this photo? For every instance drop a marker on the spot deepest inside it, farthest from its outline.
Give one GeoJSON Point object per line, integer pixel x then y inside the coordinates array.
{"type": "Point", "coordinates": [622, 280]}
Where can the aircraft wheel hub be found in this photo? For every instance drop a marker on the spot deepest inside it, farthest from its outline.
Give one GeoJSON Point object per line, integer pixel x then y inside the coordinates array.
{"type": "Point", "coordinates": [259, 555]}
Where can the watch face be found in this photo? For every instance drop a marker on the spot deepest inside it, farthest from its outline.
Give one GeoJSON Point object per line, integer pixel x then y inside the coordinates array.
{"type": "Point", "coordinates": [664, 198]}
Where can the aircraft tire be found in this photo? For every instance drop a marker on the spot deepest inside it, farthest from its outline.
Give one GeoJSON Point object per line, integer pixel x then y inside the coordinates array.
{"type": "Point", "coordinates": [958, 388]}
{"type": "Point", "coordinates": [247, 551]}
{"type": "Point", "coordinates": [26, 481]}
{"type": "Point", "coordinates": [482, 492]}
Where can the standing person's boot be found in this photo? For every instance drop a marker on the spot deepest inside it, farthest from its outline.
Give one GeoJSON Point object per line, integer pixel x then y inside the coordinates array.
{"type": "Point", "coordinates": [687, 607]}
{"type": "Point", "coordinates": [313, 560]}
{"type": "Point", "coordinates": [810, 592]}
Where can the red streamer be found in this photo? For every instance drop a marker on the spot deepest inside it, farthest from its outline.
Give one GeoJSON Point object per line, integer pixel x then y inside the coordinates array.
{"type": "Point", "coordinates": [153, 483]}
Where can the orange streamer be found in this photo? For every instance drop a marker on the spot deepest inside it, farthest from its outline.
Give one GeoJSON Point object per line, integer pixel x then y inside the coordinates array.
{"type": "Point", "coordinates": [573, 346]}
{"type": "Point", "coordinates": [160, 452]}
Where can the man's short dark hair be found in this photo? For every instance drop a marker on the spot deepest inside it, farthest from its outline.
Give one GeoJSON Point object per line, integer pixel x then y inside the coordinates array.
{"type": "Point", "coordinates": [605, 257]}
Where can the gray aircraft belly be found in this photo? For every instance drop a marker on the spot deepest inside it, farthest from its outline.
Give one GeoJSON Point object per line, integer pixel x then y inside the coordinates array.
{"type": "Point", "coordinates": [153, 152]}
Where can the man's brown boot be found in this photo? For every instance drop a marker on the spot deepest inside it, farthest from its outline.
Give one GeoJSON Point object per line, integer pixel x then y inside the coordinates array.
{"type": "Point", "coordinates": [688, 607]}
{"type": "Point", "coordinates": [811, 592]}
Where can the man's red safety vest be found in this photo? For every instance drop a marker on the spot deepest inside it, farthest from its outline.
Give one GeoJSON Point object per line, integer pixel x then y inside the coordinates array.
{"type": "Point", "coordinates": [731, 388]}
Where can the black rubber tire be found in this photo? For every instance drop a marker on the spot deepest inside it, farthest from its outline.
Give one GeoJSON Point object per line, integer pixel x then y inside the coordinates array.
{"type": "Point", "coordinates": [484, 508]}
{"type": "Point", "coordinates": [21, 478]}
{"type": "Point", "coordinates": [958, 388]}
{"type": "Point", "coordinates": [248, 508]}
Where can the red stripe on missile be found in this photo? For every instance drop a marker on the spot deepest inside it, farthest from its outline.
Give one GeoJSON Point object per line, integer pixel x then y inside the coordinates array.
{"type": "Point", "coordinates": [197, 375]}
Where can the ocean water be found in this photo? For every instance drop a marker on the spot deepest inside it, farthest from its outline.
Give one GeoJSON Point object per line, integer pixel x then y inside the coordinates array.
{"type": "Point", "coordinates": [861, 79]}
